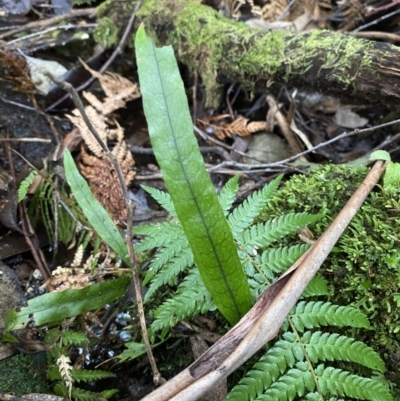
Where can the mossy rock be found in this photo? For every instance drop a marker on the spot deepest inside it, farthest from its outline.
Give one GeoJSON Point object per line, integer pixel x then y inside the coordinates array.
{"type": "Point", "coordinates": [363, 268]}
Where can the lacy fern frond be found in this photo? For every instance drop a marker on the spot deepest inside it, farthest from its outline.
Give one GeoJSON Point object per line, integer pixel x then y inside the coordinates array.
{"type": "Point", "coordinates": [160, 234]}
{"type": "Point", "coordinates": [228, 194]}
{"type": "Point", "coordinates": [250, 209]}
{"type": "Point", "coordinates": [163, 198]}
{"type": "Point", "coordinates": [267, 370]}
{"type": "Point", "coordinates": [170, 271]}
{"type": "Point", "coordinates": [264, 234]}
{"type": "Point", "coordinates": [85, 375]}
{"type": "Point", "coordinates": [317, 287]}
{"type": "Point", "coordinates": [337, 382]}
{"type": "Point", "coordinates": [25, 184]}
{"type": "Point", "coordinates": [70, 337]}
{"type": "Point", "coordinates": [282, 373]}
{"type": "Point", "coordinates": [314, 314]}
{"type": "Point", "coordinates": [277, 260]}
{"type": "Point", "coordinates": [166, 256]}
{"type": "Point", "coordinates": [191, 297]}
{"type": "Point", "coordinates": [332, 346]}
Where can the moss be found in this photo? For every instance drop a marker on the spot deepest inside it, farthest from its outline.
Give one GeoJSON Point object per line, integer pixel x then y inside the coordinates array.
{"type": "Point", "coordinates": [106, 33]}
{"type": "Point", "coordinates": [18, 376]}
{"type": "Point", "coordinates": [363, 268]}
{"type": "Point", "coordinates": [212, 44]}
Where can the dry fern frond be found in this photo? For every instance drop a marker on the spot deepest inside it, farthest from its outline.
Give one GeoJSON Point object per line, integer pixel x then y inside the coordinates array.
{"type": "Point", "coordinates": [96, 167]}
{"type": "Point", "coordinates": [78, 257]}
{"type": "Point", "coordinates": [353, 13]}
{"type": "Point", "coordinates": [118, 90]}
{"type": "Point", "coordinates": [103, 179]}
{"type": "Point", "coordinates": [65, 367]}
{"type": "Point", "coordinates": [241, 126]}
{"type": "Point", "coordinates": [273, 9]}
{"type": "Point", "coordinates": [15, 70]}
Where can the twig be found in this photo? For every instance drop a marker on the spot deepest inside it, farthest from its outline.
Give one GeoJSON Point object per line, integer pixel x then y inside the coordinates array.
{"type": "Point", "coordinates": [292, 158]}
{"type": "Point", "coordinates": [263, 321]}
{"type": "Point", "coordinates": [105, 66]}
{"type": "Point", "coordinates": [284, 126]}
{"type": "Point", "coordinates": [54, 28]}
{"type": "Point", "coordinates": [25, 140]}
{"type": "Point", "coordinates": [84, 12]}
{"type": "Point", "coordinates": [376, 21]}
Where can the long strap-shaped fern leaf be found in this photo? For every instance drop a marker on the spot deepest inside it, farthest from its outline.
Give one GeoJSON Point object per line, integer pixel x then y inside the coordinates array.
{"type": "Point", "coordinates": [187, 180]}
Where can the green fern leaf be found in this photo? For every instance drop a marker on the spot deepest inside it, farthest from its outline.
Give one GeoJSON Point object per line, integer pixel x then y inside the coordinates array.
{"type": "Point", "coordinates": [277, 260]}
{"type": "Point", "coordinates": [251, 208]}
{"type": "Point", "coordinates": [266, 371]}
{"type": "Point", "coordinates": [264, 234]}
{"type": "Point", "coordinates": [162, 198]}
{"type": "Point", "coordinates": [294, 383]}
{"type": "Point", "coordinates": [329, 347]}
{"type": "Point", "coordinates": [157, 235]}
{"type": "Point", "coordinates": [165, 256]}
{"type": "Point", "coordinates": [341, 383]}
{"type": "Point", "coordinates": [79, 394]}
{"type": "Point", "coordinates": [317, 287]}
{"type": "Point", "coordinates": [25, 184]}
{"type": "Point", "coordinates": [109, 393]}
{"type": "Point", "coordinates": [90, 375]}
{"type": "Point", "coordinates": [228, 194]}
{"type": "Point", "coordinates": [191, 298]}
{"type": "Point", "coordinates": [170, 271]}
{"type": "Point", "coordinates": [314, 314]}
{"type": "Point", "coordinates": [74, 338]}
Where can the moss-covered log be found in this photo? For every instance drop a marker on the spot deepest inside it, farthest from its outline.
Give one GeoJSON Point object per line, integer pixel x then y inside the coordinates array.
{"type": "Point", "coordinates": [326, 61]}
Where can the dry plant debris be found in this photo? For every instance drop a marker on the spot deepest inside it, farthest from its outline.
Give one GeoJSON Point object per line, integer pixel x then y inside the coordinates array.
{"type": "Point", "coordinates": [14, 69]}
{"type": "Point", "coordinates": [349, 12]}
{"type": "Point", "coordinates": [241, 126]}
{"type": "Point", "coordinates": [78, 275]}
{"type": "Point", "coordinates": [94, 164]}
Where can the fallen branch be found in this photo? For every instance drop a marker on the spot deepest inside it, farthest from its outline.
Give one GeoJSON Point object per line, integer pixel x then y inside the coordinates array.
{"type": "Point", "coordinates": [216, 46]}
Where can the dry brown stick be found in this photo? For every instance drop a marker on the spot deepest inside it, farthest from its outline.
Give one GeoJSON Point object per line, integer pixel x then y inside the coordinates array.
{"type": "Point", "coordinates": [212, 367]}
{"type": "Point", "coordinates": [284, 126]}
{"type": "Point", "coordinates": [129, 241]}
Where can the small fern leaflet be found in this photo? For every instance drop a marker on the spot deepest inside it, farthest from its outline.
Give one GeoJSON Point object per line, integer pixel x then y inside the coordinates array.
{"type": "Point", "coordinates": [228, 194]}
{"type": "Point", "coordinates": [314, 314]}
{"type": "Point", "coordinates": [251, 208]}
{"type": "Point", "coordinates": [163, 198]}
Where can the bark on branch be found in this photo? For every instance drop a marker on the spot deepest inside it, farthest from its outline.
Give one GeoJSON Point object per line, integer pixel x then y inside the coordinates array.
{"type": "Point", "coordinates": [320, 60]}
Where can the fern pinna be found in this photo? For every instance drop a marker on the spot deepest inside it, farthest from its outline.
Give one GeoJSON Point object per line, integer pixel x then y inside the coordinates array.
{"type": "Point", "coordinates": [297, 365]}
